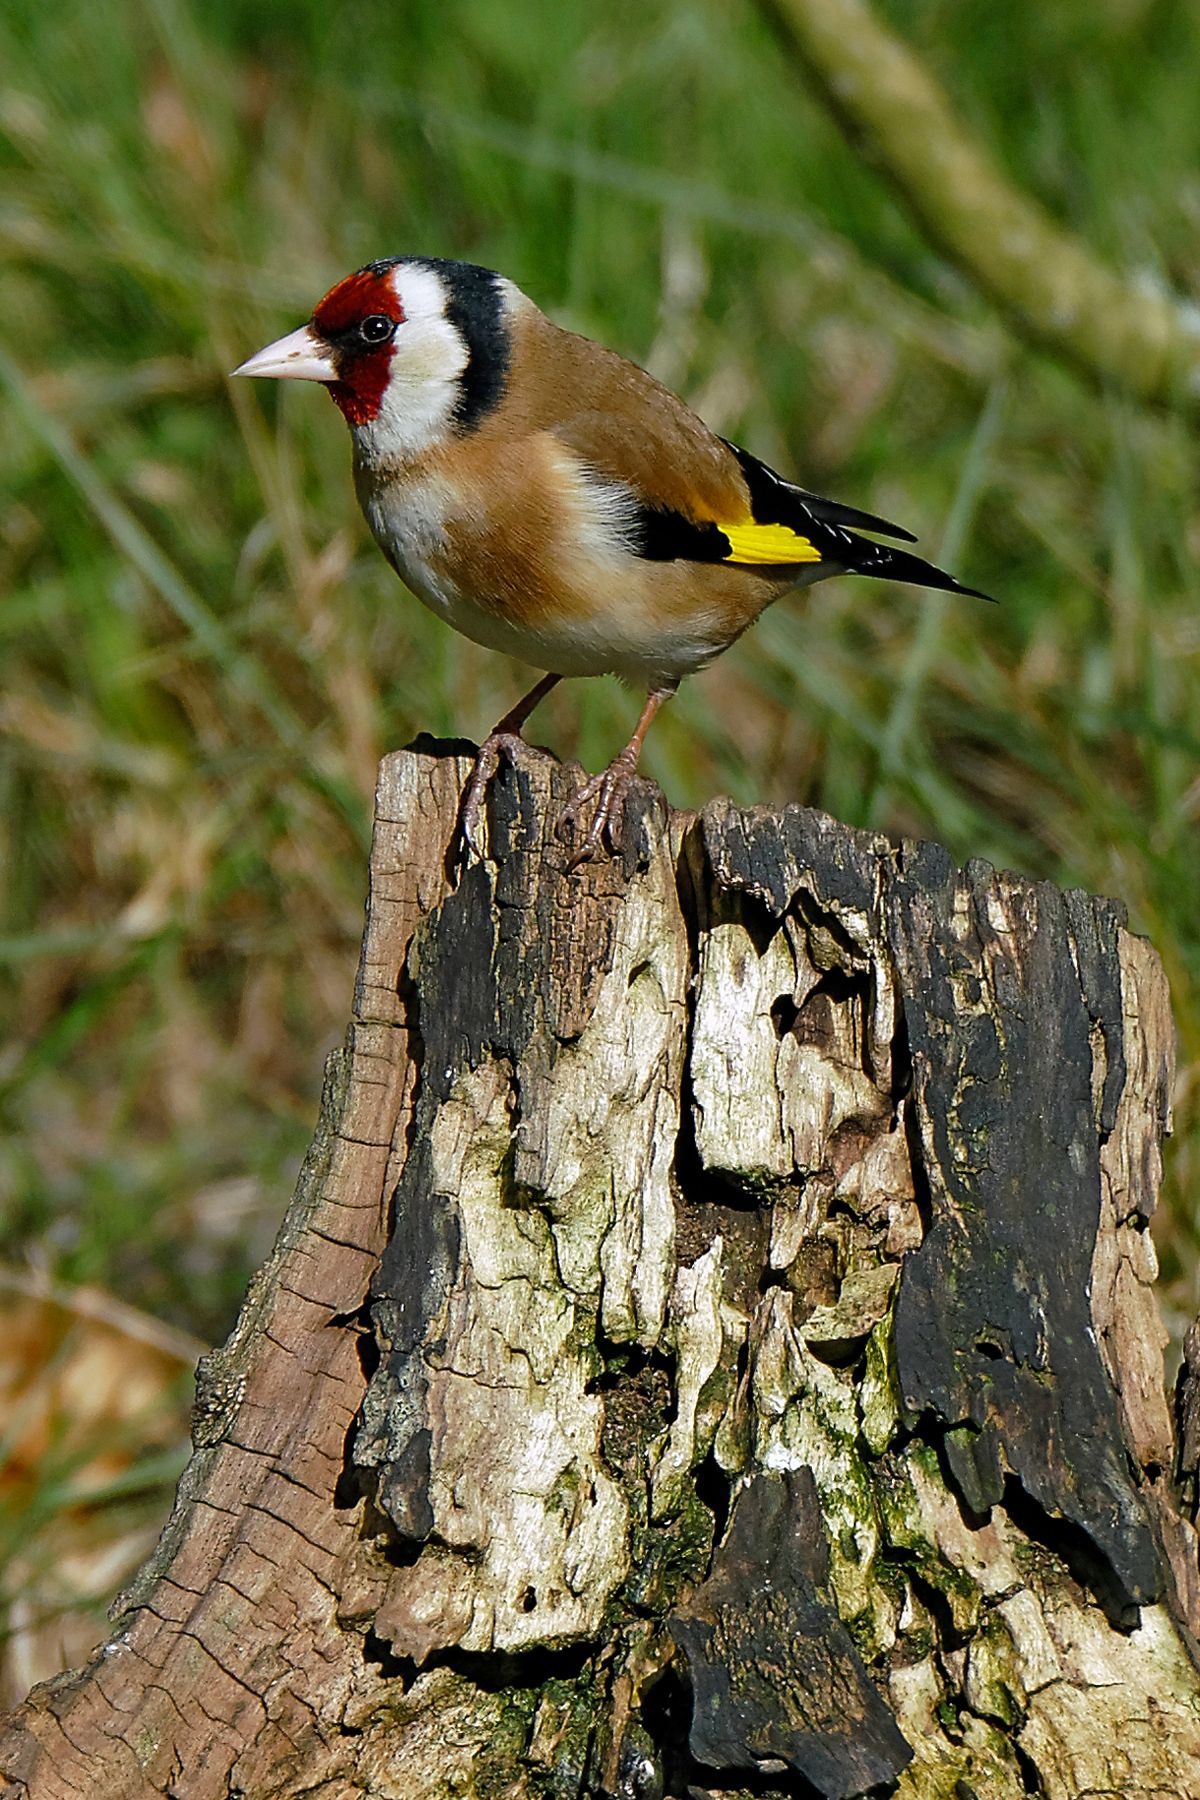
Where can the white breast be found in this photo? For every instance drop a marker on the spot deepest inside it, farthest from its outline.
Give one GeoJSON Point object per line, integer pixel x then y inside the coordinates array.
{"type": "Point", "coordinates": [407, 516]}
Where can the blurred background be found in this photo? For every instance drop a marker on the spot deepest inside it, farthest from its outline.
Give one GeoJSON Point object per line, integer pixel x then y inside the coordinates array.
{"type": "Point", "coordinates": [202, 656]}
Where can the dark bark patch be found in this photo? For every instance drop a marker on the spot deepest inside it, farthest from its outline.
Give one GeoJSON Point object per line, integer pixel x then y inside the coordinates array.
{"type": "Point", "coordinates": [1007, 988]}
{"type": "Point", "coordinates": [418, 1271]}
{"type": "Point", "coordinates": [776, 856]}
{"type": "Point", "coordinates": [776, 1681]}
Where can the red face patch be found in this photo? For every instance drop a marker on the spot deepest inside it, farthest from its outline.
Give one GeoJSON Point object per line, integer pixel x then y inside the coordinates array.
{"type": "Point", "coordinates": [365, 292]}
{"type": "Point", "coordinates": [362, 366]}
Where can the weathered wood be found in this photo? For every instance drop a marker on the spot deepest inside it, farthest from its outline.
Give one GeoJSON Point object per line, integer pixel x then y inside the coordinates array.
{"type": "Point", "coordinates": [711, 1351]}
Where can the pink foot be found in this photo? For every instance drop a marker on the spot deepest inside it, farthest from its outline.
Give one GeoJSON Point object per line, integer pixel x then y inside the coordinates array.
{"type": "Point", "coordinates": [609, 789]}
{"type": "Point", "coordinates": [505, 737]}
{"type": "Point", "coordinates": [486, 763]}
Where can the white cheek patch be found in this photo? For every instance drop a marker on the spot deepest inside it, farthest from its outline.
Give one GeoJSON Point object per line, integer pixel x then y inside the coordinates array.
{"type": "Point", "coordinates": [428, 359]}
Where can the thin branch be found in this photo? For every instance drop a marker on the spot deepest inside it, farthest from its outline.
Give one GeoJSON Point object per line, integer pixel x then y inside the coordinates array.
{"type": "Point", "coordinates": [1116, 328]}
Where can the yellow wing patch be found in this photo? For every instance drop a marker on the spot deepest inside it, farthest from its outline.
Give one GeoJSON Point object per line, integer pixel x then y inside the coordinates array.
{"type": "Point", "coordinates": [768, 544]}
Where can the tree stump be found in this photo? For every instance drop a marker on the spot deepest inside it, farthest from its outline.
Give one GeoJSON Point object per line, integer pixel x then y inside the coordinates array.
{"type": "Point", "coordinates": [711, 1351]}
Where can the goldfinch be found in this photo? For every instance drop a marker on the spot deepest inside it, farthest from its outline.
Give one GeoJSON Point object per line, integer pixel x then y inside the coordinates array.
{"type": "Point", "coordinates": [552, 500]}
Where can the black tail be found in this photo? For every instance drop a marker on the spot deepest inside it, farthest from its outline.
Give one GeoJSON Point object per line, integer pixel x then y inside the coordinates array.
{"type": "Point", "coordinates": [826, 524]}
{"type": "Point", "coordinates": [860, 556]}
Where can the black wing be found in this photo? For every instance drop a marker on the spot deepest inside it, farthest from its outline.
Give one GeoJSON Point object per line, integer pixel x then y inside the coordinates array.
{"type": "Point", "coordinates": [775, 501]}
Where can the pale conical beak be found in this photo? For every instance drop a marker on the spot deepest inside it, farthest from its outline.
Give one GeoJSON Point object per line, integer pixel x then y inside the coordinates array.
{"type": "Point", "coordinates": [301, 356]}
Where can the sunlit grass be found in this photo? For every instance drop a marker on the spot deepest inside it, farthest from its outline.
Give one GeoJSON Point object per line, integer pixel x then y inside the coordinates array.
{"type": "Point", "coordinates": [203, 656]}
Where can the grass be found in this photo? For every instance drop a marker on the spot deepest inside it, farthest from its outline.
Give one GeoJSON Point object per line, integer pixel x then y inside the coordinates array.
{"type": "Point", "coordinates": [203, 656]}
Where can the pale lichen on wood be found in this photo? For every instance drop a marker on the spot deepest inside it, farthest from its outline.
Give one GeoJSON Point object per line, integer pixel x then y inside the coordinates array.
{"type": "Point", "coordinates": [712, 1351]}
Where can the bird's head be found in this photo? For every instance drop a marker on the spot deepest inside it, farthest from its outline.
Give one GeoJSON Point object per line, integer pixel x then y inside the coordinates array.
{"type": "Point", "coordinates": [412, 350]}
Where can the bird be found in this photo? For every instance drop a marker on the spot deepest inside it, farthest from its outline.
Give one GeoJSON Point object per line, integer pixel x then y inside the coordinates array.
{"type": "Point", "coordinates": [550, 499]}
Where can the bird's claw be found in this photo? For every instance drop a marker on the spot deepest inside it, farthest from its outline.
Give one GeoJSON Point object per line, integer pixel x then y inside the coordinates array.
{"type": "Point", "coordinates": [472, 838]}
{"type": "Point", "coordinates": [610, 790]}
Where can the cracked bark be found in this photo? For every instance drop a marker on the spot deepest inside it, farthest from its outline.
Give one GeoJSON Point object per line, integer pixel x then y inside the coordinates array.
{"type": "Point", "coordinates": [711, 1351]}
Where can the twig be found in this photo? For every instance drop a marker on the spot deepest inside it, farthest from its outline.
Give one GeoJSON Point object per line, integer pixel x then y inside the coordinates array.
{"type": "Point", "coordinates": [1113, 327]}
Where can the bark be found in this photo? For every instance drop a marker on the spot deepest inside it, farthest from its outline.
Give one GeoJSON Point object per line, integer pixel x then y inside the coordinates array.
{"type": "Point", "coordinates": [711, 1351]}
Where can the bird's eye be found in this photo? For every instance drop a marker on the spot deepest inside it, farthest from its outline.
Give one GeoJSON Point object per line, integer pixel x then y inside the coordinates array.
{"type": "Point", "coordinates": [377, 329]}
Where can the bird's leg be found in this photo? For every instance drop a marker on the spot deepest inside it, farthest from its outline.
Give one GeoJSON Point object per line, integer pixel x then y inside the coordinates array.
{"type": "Point", "coordinates": [611, 786]}
{"type": "Point", "coordinates": [504, 736]}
